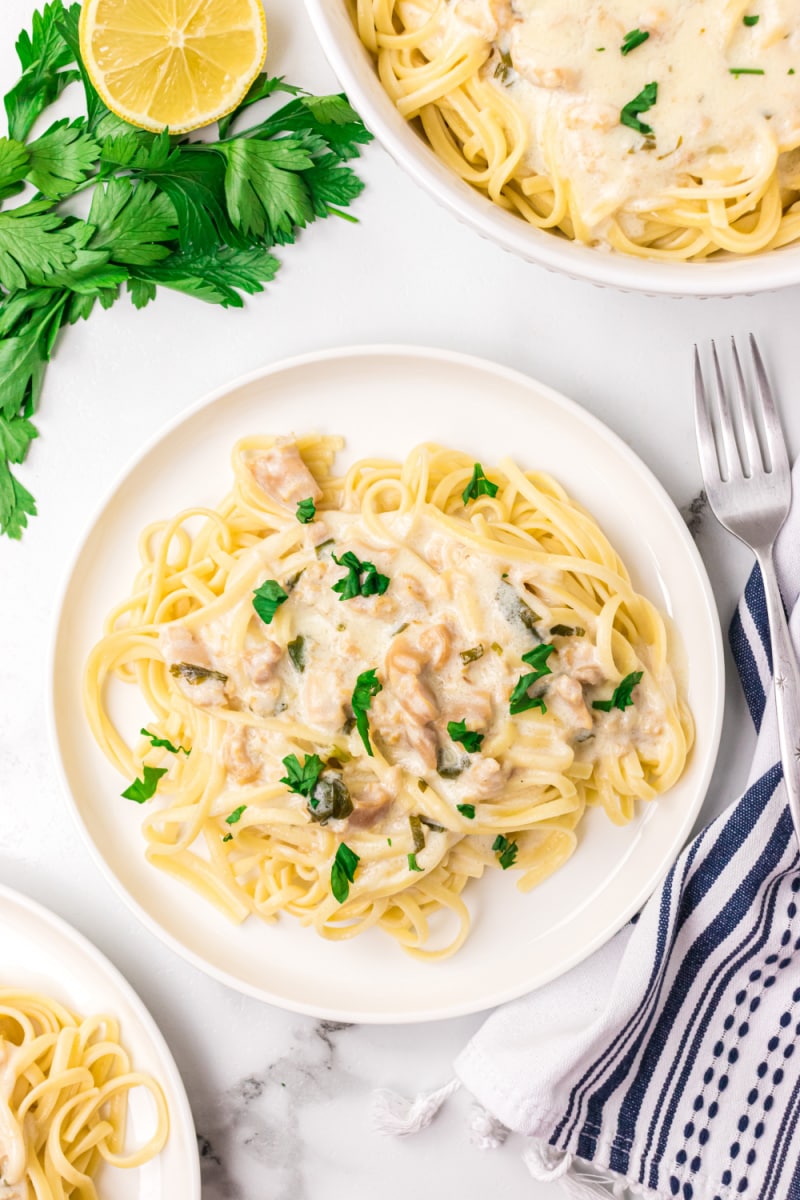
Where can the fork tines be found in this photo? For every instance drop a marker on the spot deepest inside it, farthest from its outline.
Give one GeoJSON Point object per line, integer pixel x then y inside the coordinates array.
{"type": "Point", "coordinates": [738, 438]}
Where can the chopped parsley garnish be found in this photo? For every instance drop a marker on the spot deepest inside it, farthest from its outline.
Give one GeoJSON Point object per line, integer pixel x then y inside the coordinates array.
{"type": "Point", "coordinates": [306, 511]}
{"type": "Point", "coordinates": [145, 788]}
{"type": "Point", "coordinates": [367, 686]}
{"type": "Point", "coordinates": [629, 115]}
{"type": "Point", "coordinates": [343, 872]}
{"type": "Point", "coordinates": [505, 850]}
{"type": "Point", "coordinates": [417, 832]}
{"type": "Point", "coordinates": [750, 21]}
{"type": "Point", "coordinates": [745, 71]}
{"type": "Point", "coordinates": [228, 837]}
{"type": "Point", "coordinates": [472, 655]}
{"type": "Point", "coordinates": [469, 740]}
{"type": "Point", "coordinates": [567, 631]}
{"type": "Point", "coordinates": [537, 658]}
{"type": "Point", "coordinates": [301, 778]}
{"type": "Point", "coordinates": [362, 578]}
{"type": "Point", "coordinates": [621, 696]}
{"type": "Point", "coordinates": [478, 485]}
{"type": "Point", "coordinates": [520, 700]}
{"type": "Point", "coordinates": [634, 38]}
{"type": "Point", "coordinates": [236, 815]}
{"type": "Point", "coordinates": [467, 810]}
{"type": "Point", "coordinates": [412, 863]}
{"type": "Point", "coordinates": [297, 652]}
{"type": "Point", "coordinates": [268, 598]}
{"type": "Point", "coordinates": [164, 743]}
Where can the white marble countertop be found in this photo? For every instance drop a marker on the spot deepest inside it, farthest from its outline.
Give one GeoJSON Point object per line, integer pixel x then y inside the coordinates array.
{"type": "Point", "coordinates": [282, 1102]}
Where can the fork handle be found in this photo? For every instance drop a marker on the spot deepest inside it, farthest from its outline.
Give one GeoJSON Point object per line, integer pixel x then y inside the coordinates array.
{"type": "Point", "coordinates": [786, 685]}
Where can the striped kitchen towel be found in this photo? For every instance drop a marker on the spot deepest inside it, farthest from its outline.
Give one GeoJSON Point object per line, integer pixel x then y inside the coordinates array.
{"type": "Point", "coordinates": [669, 1062]}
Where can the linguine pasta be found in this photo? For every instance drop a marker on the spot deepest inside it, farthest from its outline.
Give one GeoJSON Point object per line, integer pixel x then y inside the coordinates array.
{"type": "Point", "coordinates": [64, 1087]}
{"type": "Point", "coordinates": [366, 690]}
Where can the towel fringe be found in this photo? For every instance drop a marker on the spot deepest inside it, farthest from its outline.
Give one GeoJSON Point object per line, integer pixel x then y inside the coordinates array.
{"type": "Point", "coordinates": [486, 1132]}
{"type": "Point", "coordinates": [578, 1181]}
{"type": "Point", "coordinates": [392, 1114]}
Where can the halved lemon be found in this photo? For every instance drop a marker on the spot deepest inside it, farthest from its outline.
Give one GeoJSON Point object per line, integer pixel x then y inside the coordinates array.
{"type": "Point", "coordinates": [175, 63]}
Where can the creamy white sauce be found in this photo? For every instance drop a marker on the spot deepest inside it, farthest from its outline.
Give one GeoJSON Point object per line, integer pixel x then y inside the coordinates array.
{"type": "Point", "coordinates": [443, 600]}
{"type": "Point", "coordinates": [570, 82]}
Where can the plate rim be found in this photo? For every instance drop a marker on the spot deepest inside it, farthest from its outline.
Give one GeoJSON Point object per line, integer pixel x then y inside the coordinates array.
{"type": "Point", "coordinates": [69, 934]}
{"type": "Point", "coordinates": [379, 351]}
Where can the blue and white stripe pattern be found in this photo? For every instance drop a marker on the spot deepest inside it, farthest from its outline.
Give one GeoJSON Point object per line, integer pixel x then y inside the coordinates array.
{"type": "Point", "coordinates": [671, 1059]}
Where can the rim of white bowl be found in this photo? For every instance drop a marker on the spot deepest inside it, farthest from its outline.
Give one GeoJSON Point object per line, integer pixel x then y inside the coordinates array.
{"type": "Point", "coordinates": [722, 278]}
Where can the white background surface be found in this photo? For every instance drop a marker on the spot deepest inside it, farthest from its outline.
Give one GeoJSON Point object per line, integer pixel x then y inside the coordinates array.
{"type": "Point", "coordinates": [406, 273]}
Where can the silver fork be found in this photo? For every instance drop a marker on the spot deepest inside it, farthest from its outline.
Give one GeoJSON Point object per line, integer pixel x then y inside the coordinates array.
{"type": "Point", "coordinates": [749, 487]}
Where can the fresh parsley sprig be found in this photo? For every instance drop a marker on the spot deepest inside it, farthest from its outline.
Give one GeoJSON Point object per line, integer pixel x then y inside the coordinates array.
{"type": "Point", "coordinates": [362, 578]}
{"type": "Point", "coordinates": [520, 701]}
{"type": "Point", "coordinates": [144, 788]}
{"type": "Point", "coordinates": [470, 740]}
{"type": "Point", "coordinates": [343, 871]}
{"type": "Point", "coordinates": [164, 743]}
{"type": "Point", "coordinates": [630, 113]}
{"type": "Point", "coordinates": [267, 599]}
{"type": "Point", "coordinates": [195, 216]}
{"type": "Point", "coordinates": [478, 485]}
{"type": "Point", "coordinates": [621, 697]}
{"type": "Point", "coordinates": [302, 778]}
{"type": "Point", "coordinates": [367, 686]}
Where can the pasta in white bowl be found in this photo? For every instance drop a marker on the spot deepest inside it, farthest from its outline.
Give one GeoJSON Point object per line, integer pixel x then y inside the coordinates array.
{"type": "Point", "coordinates": [648, 149]}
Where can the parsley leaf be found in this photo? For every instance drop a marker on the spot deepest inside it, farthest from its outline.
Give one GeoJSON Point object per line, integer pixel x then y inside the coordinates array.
{"type": "Point", "coordinates": [343, 871]}
{"type": "Point", "coordinates": [750, 21]}
{"type": "Point", "coordinates": [301, 778]}
{"type": "Point", "coordinates": [145, 788]}
{"type": "Point", "coordinates": [505, 850]}
{"type": "Point", "coordinates": [367, 686]}
{"type": "Point", "coordinates": [33, 244]}
{"type": "Point", "coordinates": [43, 54]}
{"type": "Point", "coordinates": [352, 585]}
{"type": "Point", "coordinates": [132, 221]}
{"type": "Point", "coordinates": [268, 598]}
{"type": "Point", "coordinates": [467, 810]}
{"type": "Point", "coordinates": [412, 863]}
{"type": "Point", "coordinates": [538, 656]}
{"type": "Point", "coordinates": [306, 511]}
{"type": "Point", "coordinates": [629, 115]}
{"type": "Point", "coordinates": [459, 733]}
{"type": "Point", "coordinates": [520, 701]}
{"type": "Point", "coordinates": [14, 159]}
{"type": "Point", "coordinates": [621, 696]}
{"type": "Point", "coordinates": [62, 158]}
{"type": "Point", "coordinates": [212, 277]}
{"type": "Point", "coordinates": [266, 196]}
{"type": "Point", "coordinates": [236, 815]}
{"type": "Point", "coordinates": [478, 485]}
{"type": "Point", "coordinates": [163, 743]}
{"type": "Point", "coordinates": [632, 39]}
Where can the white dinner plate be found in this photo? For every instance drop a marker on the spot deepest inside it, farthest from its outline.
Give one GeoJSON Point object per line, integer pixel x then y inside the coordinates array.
{"type": "Point", "coordinates": [384, 400]}
{"type": "Point", "coordinates": [42, 952]}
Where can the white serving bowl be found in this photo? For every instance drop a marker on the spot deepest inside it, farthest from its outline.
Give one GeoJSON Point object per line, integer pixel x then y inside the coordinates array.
{"type": "Point", "coordinates": [723, 276]}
